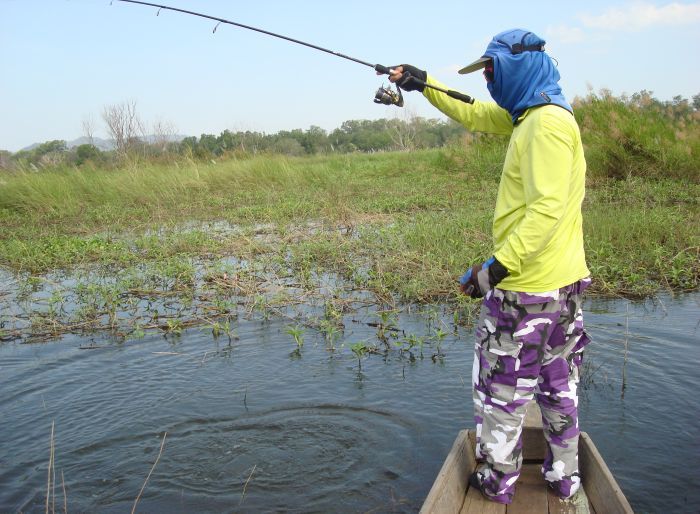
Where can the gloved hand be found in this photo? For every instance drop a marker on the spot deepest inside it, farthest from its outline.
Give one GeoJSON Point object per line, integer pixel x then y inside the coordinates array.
{"type": "Point", "coordinates": [481, 278]}
{"type": "Point", "coordinates": [407, 82]}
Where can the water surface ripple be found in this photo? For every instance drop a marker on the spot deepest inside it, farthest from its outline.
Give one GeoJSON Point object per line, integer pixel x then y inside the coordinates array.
{"type": "Point", "coordinates": [252, 428]}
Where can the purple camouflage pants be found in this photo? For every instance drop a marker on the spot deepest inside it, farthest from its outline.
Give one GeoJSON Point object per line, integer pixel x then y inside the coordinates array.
{"type": "Point", "coordinates": [528, 344]}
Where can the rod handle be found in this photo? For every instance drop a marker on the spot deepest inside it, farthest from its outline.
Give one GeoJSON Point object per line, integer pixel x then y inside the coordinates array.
{"type": "Point", "coordinates": [459, 96]}
{"type": "Point", "coordinates": [382, 69]}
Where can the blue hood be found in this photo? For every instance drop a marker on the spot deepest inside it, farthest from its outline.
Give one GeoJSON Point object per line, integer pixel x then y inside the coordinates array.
{"type": "Point", "coordinates": [524, 75]}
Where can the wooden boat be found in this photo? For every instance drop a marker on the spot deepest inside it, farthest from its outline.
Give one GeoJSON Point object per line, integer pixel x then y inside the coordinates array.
{"type": "Point", "coordinates": [599, 492]}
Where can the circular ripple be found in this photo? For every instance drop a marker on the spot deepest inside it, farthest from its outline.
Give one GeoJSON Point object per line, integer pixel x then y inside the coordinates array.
{"type": "Point", "coordinates": [307, 458]}
{"type": "Point", "coordinates": [308, 452]}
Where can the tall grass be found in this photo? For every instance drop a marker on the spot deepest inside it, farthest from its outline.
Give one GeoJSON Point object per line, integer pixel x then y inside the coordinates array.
{"type": "Point", "coordinates": [639, 136]}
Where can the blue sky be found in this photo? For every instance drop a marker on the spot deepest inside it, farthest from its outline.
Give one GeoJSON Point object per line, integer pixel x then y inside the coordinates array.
{"type": "Point", "coordinates": [63, 61]}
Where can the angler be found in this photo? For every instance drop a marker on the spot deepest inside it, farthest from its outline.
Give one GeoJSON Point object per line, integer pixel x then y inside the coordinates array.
{"type": "Point", "coordinates": [383, 95]}
{"type": "Point", "coordinates": [530, 336]}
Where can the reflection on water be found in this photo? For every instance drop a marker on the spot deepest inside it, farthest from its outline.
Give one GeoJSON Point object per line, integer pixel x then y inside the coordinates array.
{"type": "Point", "coordinates": [250, 429]}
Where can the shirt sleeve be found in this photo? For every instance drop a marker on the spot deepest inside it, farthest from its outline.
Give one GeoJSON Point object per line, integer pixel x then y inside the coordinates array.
{"type": "Point", "coordinates": [476, 117]}
{"type": "Point", "coordinates": [545, 169]}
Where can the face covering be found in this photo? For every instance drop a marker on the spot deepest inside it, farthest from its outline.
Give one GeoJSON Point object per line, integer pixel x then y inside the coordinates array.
{"type": "Point", "coordinates": [523, 75]}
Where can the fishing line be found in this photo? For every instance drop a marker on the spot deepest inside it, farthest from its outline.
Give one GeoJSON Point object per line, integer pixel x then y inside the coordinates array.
{"type": "Point", "coordinates": [383, 95]}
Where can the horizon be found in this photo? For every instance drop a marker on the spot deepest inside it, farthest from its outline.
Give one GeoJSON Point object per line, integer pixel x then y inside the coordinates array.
{"type": "Point", "coordinates": [67, 68]}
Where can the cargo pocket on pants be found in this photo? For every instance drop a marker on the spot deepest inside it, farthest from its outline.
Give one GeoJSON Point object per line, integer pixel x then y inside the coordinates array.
{"type": "Point", "coordinates": [498, 349]}
{"type": "Point", "coordinates": [497, 376]}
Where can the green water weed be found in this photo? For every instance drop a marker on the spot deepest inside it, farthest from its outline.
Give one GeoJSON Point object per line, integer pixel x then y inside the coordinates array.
{"type": "Point", "coordinates": [359, 349]}
{"type": "Point", "coordinates": [297, 334]}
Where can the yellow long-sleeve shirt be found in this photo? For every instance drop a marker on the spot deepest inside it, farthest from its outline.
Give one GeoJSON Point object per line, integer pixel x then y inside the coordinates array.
{"type": "Point", "coordinates": [537, 225]}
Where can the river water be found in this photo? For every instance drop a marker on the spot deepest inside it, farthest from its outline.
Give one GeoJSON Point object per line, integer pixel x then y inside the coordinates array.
{"type": "Point", "coordinates": [252, 427]}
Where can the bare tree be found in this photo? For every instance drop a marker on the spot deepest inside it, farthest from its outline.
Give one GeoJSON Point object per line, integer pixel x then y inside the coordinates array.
{"type": "Point", "coordinates": [5, 159]}
{"type": "Point", "coordinates": [89, 128]}
{"type": "Point", "coordinates": [123, 124]}
{"type": "Point", "coordinates": [402, 131]}
{"type": "Point", "coordinates": [163, 133]}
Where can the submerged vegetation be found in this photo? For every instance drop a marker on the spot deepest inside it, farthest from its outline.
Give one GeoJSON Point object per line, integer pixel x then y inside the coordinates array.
{"type": "Point", "coordinates": [156, 245]}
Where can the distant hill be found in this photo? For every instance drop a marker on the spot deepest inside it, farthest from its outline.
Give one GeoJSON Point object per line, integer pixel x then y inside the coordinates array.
{"type": "Point", "coordinates": [104, 144]}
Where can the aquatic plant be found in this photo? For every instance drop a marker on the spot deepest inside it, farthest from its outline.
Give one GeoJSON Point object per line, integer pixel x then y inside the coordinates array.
{"type": "Point", "coordinates": [298, 334]}
{"type": "Point", "coordinates": [438, 337]}
{"type": "Point", "coordinates": [331, 332]}
{"type": "Point", "coordinates": [360, 349]}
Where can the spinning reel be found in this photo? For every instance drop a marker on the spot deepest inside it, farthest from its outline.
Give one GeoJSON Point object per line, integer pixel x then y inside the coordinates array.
{"type": "Point", "coordinates": [387, 96]}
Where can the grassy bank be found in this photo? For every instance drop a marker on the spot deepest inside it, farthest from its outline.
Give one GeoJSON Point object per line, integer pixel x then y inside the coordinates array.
{"type": "Point", "coordinates": [165, 246]}
{"type": "Point", "coordinates": [418, 217]}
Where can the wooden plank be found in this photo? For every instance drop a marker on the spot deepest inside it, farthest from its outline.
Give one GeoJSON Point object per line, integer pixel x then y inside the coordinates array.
{"type": "Point", "coordinates": [603, 491]}
{"type": "Point", "coordinates": [533, 416]}
{"type": "Point", "coordinates": [534, 443]}
{"type": "Point", "coordinates": [450, 486]}
{"type": "Point", "coordinates": [530, 492]}
{"type": "Point", "coordinates": [475, 503]}
{"type": "Point", "coordinates": [579, 504]}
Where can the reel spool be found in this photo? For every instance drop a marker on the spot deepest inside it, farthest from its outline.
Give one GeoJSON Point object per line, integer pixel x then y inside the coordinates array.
{"type": "Point", "coordinates": [387, 96]}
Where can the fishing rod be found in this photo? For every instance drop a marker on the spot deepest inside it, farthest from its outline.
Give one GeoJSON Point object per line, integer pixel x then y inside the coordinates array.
{"type": "Point", "coordinates": [384, 95]}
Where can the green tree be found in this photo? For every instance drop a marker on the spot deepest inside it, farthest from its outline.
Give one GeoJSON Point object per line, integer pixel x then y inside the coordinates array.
{"type": "Point", "coordinates": [208, 147]}
{"type": "Point", "coordinates": [287, 146]}
{"type": "Point", "coordinates": [315, 140]}
{"type": "Point", "coordinates": [48, 153]}
{"type": "Point", "coordinates": [87, 152]}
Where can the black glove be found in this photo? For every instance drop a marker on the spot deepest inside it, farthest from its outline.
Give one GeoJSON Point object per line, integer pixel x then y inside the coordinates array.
{"type": "Point", "coordinates": [481, 278]}
{"type": "Point", "coordinates": [408, 82]}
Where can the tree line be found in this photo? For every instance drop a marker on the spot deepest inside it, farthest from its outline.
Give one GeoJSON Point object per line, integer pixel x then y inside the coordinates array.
{"type": "Point", "coordinates": [351, 136]}
{"type": "Point", "coordinates": [611, 125]}
{"type": "Point", "coordinates": [129, 140]}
